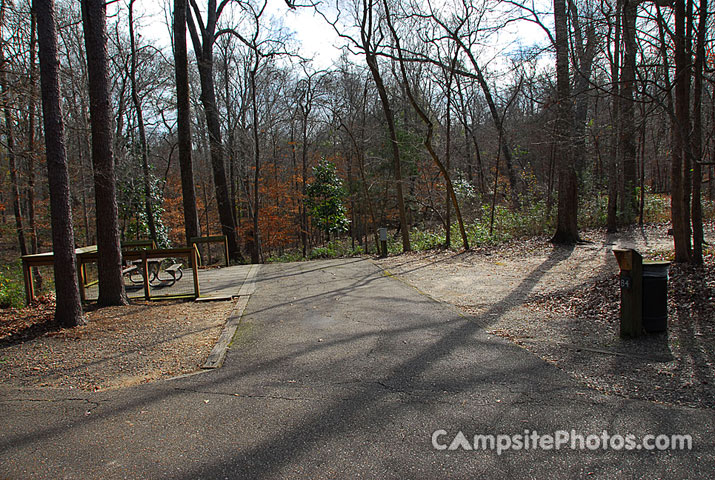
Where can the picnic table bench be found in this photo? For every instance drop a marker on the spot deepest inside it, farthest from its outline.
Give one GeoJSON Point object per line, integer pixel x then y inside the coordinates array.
{"type": "Point", "coordinates": [154, 269]}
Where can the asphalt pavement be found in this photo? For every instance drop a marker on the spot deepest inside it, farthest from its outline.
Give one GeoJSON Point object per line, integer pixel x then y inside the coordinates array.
{"type": "Point", "coordinates": [340, 370]}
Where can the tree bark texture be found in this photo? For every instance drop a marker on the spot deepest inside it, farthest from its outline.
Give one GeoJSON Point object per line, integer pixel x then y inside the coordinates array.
{"type": "Point", "coordinates": [68, 306]}
{"type": "Point", "coordinates": [679, 205]}
{"type": "Point", "coordinates": [203, 48]}
{"type": "Point", "coordinates": [144, 153]}
{"type": "Point", "coordinates": [109, 262]}
{"type": "Point", "coordinates": [183, 107]}
{"type": "Point", "coordinates": [567, 216]}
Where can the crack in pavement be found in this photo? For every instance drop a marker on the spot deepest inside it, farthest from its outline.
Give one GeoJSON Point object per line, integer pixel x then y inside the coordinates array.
{"type": "Point", "coordinates": [51, 400]}
{"type": "Point", "coordinates": [247, 395]}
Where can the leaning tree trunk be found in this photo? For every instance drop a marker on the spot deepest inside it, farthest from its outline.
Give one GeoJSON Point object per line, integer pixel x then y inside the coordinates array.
{"type": "Point", "coordinates": [68, 306]}
{"type": "Point", "coordinates": [496, 118]}
{"type": "Point", "coordinates": [203, 48]}
{"type": "Point", "coordinates": [394, 145]}
{"type": "Point", "coordinates": [109, 262]}
{"type": "Point", "coordinates": [430, 128]}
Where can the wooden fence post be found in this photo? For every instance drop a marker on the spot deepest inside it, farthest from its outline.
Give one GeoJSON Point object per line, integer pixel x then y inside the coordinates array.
{"type": "Point", "coordinates": [195, 270]}
{"type": "Point", "coordinates": [145, 275]}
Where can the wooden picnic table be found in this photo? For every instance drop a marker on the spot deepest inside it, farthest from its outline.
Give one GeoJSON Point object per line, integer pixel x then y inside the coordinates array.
{"type": "Point", "coordinates": [153, 267]}
{"type": "Point", "coordinates": [154, 270]}
{"type": "Point", "coordinates": [90, 254]}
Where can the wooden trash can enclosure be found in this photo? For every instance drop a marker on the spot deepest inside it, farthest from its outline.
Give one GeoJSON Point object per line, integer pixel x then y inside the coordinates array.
{"type": "Point", "coordinates": [631, 282]}
{"type": "Point", "coordinates": [644, 293]}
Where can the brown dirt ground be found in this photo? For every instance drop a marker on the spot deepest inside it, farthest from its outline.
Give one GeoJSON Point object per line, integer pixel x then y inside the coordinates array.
{"type": "Point", "coordinates": [563, 305]}
{"type": "Point", "coordinates": [118, 347]}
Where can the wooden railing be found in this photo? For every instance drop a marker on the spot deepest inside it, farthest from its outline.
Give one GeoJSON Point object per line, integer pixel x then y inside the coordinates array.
{"type": "Point", "coordinates": [194, 241]}
{"type": "Point", "coordinates": [130, 253]}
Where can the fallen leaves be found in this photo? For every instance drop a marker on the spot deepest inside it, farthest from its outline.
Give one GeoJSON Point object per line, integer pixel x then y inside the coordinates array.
{"type": "Point", "coordinates": [119, 346]}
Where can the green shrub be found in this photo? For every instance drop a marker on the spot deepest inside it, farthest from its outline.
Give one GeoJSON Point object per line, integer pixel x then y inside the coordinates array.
{"type": "Point", "coordinates": [292, 256]}
{"type": "Point", "coordinates": [426, 240]}
{"type": "Point", "coordinates": [12, 292]}
{"type": "Point", "coordinates": [531, 220]}
{"type": "Point", "coordinates": [593, 211]}
{"type": "Point", "coordinates": [656, 207]}
{"type": "Point", "coordinates": [336, 249]}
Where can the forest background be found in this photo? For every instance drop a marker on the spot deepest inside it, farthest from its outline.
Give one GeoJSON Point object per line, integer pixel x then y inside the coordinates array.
{"type": "Point", "coordinates": [435, 121]}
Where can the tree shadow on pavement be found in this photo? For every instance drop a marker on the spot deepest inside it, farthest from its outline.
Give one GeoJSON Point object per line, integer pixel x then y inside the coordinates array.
{"type": "Point", "coordinates": [368, 403]}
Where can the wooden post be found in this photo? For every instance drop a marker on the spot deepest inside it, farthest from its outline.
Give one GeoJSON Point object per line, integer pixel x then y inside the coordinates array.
{"type": "Point", "coordinates": [225, 248]}
{"type": "Point", "coordinates": [145, 275]}
{"type": "Point", "coordinates": [198, 254]}
{"type": "Point", "coordinates": [82, 274]}
{"type": "Point", "coordinates": [29, 286]}
{"type": "Point", "coordinates": [193, 259]}
{"type": "Point", "coordinates": [383, 241]}
{"type": "Point", "coordinates": [631, 283]}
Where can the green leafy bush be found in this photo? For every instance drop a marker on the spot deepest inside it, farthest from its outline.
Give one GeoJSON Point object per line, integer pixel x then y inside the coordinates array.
{"type": "Point", "coordinates": [656, 207]}
{"type": "Point", "coordinates": [593, 211]}
{"type": "Point", "coordinates": [531, 220]}
{"type": "Point", "coordinates": [12, 293]}
{"type": "Point", "coordinates": [293, 256]}
{"type": "Point", "coordinates": [335, 249]}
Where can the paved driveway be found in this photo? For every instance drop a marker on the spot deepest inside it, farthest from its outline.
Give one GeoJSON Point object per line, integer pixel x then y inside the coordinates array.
{"type": "Point", "coordinates": [341, 371]}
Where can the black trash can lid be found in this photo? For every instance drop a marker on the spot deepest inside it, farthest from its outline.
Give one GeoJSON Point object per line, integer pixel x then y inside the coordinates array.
{"type": "Point", "coordinates": [656, 269]}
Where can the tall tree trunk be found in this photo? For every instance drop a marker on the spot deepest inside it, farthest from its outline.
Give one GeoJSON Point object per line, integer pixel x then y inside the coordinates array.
{"type": "Point", "coordinates": [12, 164]}
{"type": "Point", "coordinates": [679, 210]}
{"type": "Point", "coordinates": [613, 164]}
{"type": "Point", "coordinates": [627, 129]}
{"type": "Point", "coordinates": [10, 140]}
{"type": "Point", "coordinates": [109, 262]}
{"type": "Point", "coordinates": [697, 140]}
{"type": "Point", "coordinates": [303, 183]}
{"type": "Point", "coordinates": [183, 122]}
{"type": "Point", "coordinates": [448, 154]}
{"type": "Point", "coordinates": [68, 306]}
{"type": "Point", "coordinates": [203, 48]}
{"type": "Point", "coordinates": [31, 153]}
{"type": "Point", "coordinates": [85, 208]}
{"type": "Point", "coordinates": [641, 165]}
{"type": "Point", "coordinates": [256, 251]}
{"type": "Point", "coordinates": [585, 54]}
{"type": "Point", "coordinates": [567, 216]}
{"type": "Point", "coordinates": [230, 147]}
{"type": "Point", "coordinates": [148, 209]}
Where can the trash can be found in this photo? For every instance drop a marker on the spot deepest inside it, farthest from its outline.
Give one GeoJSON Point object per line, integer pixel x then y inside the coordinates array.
{"type": "Point", "coordinates": [655, 296]}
